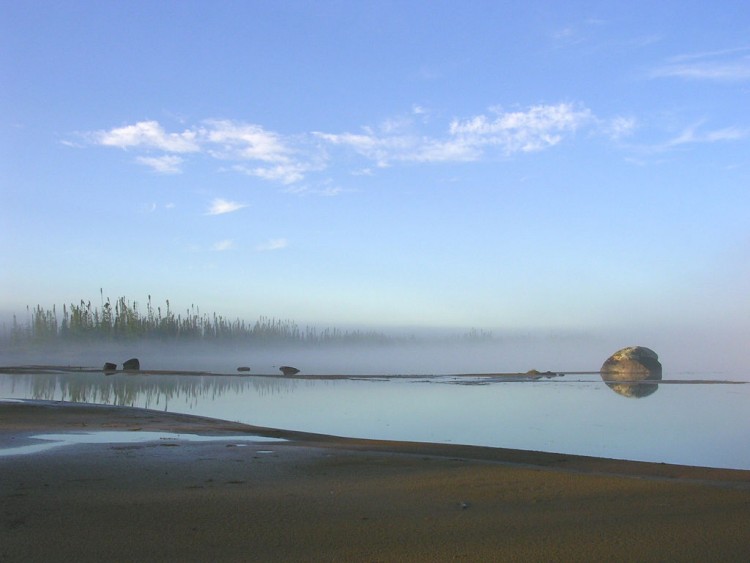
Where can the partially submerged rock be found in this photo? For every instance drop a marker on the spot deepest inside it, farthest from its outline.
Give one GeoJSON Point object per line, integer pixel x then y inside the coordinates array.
{"type": "Point", "coordinates": [243, 368]}
{"type": "Point", "coordinates": [133, 364]}
{"type": "Point", "coordinates": [109, 368]}
{"type": "Point", "coordinates": [633, 361]}
{"type": "Point", "coordinates": [288, 370]}
{"type": "Point", "coordinates": [632, 371]}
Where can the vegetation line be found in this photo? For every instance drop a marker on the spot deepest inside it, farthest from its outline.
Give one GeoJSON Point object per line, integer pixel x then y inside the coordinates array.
{"type": "Point", "coordinates": [124, 321]}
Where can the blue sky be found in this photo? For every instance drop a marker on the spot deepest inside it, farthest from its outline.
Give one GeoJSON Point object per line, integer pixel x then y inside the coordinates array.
{"type": "Point", "coordinates": [501, 165]}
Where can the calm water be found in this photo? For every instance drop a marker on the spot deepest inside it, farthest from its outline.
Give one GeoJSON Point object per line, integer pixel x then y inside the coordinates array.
{"type": "Point", "coordinates": [686, 423]}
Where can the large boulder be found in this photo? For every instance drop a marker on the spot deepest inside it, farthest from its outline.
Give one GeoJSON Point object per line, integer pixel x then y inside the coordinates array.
{"type": "Point", "coordinates": [132, 365]}
{"type": "Point", "coordinates": [288, 370]}
{"type": "Point", "coordinates": [632, 372]}
{"type": "Point", "coordinates": [636, 362]}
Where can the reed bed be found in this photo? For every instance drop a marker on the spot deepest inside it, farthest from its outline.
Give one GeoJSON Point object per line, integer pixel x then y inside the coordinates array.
{"type": "Point", "coordinates": [126, 321]}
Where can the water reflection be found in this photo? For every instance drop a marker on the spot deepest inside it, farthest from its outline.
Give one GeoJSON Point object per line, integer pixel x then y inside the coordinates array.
{"type": "Point", "coordinates": [689, 421]}
{"type": "Point", "coordinates": [634, 386]}
{"type": "Point", "coordinates": [147, 391]}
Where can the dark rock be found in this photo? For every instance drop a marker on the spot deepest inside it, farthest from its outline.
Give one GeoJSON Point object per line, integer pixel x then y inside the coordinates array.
{"type": "Point", "coordinates": [288, 370]}
{"type": "Point", "coordinates": [109, 368]}
{"type": "Point", "coordinates": [243, 368]}
{"type": "Point", "coordinates": [132, 365]}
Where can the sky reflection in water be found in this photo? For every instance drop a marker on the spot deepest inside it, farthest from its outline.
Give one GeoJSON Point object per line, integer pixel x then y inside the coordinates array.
{"type": "Point", "coordinates": [694, 424]}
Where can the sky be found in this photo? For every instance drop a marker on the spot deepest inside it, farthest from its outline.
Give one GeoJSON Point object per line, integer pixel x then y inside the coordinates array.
{"type": "Point", "coordinates": [520, 166]}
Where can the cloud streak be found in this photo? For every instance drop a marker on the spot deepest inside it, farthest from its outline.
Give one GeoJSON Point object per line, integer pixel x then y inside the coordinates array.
{"type": "Point", "coordinates": [223, 245]}
{"type": "Point", "coordinates": [272, 244]}
{"type": "Point", "coordinates": [730, 65]}
{"type": "Point", "coordinates": [166, 164]}
{"type": "Point", "coordinates": [221, 206]}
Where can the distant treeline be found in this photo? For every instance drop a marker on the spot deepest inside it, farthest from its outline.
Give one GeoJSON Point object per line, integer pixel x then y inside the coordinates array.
{"type": "Point", "coordinates": [125, 321]}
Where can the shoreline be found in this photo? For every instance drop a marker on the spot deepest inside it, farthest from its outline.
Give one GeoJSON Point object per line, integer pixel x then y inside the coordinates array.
{"type": "Point", "coordinates": [21, 419]}
{"type": "Point", "coordinates": [322, 498]}
{"type": "Point", "coordinates": [514, 377]}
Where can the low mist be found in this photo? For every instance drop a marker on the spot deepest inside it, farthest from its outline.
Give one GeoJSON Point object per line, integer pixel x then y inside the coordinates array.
{"type": "Point", "coordinates": [403, 357]}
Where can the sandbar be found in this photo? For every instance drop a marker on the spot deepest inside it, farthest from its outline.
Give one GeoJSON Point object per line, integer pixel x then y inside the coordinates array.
{"type": "Point", "coordinates": [324, 498]}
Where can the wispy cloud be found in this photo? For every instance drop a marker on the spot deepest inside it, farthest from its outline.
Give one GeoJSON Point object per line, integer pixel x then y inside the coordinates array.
{"type": "Point", "coordinates": [694, 134]}
{"type": "Point", "coordinates": [272, 244]}
{"type": "Point", "coordinates": [325, 189]}
{"type": "Point", "coordinates": [253, 150]}
{"type": "Point", "coordinates": [729, 65]}
{"type": "Point", "coordinates": [535, 129]}
{"type": "Point", "coordinates": [285, 173]}
{"type": "Point", "coordinates": [166, 164]}
{"type": "Point", "coordinates": [150, 135]}
{"type": "Point", "coordinates": [243, 141]}
{"type": "Point", "coordinates": [220, 206]}
{"type": "Point", "coordinates": [620, 127]}
{"type": "Point", "coordinates": [223, 245]}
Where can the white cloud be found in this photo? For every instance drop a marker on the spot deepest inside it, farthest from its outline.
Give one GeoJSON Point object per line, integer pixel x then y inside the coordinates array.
{"type": "Point", "coordinates": [380, 149]}
{"type": "Point", "coordinates": [538, 128]}
{"type": "Point", "coordinates": [535, 129]}
{"type": "Point", "coordinates": [278, 160]}
{"type": "Point", "coordinates": [223, 245]}
{"type": "Point", "coordinates": [150, 135]}
{"type": "Point", "coordinates": [240, 141]}
{"type": "Point", "coordinates": [166, 164]}
{"type": "Point", "coordinates": [288, 173]}
{"type": "Point", "coordinates": [451, 150]}
{"type": "Point", "coordinates": [272, 244]}
{"type": "Point", "coordinates": [220, 206]}
{"type": "Point", "coordinates": [252, 150]}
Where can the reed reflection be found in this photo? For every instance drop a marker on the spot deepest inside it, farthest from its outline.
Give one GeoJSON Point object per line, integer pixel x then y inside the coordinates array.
{"type": "Point", "coordinates": [147, 391]}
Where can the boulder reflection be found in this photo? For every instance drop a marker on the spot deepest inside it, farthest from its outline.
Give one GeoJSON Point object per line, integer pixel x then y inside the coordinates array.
{"type": "Point", "coordinates": [632, 385]}
{"type": "Point", "coordinates": [632, 371]}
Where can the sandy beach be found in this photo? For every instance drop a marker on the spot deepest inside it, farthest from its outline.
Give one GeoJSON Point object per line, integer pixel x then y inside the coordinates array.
{"type": "Point", "coordinates": [323, 498]}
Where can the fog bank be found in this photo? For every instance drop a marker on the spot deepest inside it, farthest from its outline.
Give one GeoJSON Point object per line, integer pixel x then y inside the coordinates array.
{"type": "Point", "coordinates": [679, 353]}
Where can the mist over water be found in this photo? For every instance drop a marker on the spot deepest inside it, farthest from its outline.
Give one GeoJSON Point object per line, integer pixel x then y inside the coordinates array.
{"type": "Point", "coordinates": [422, 358]}
{"type": "Point", "coordinates": [419, 356]}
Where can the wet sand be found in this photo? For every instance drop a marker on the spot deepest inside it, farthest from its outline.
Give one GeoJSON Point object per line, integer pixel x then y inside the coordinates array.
{"type": "Point", "coordinates": [322, 498]}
